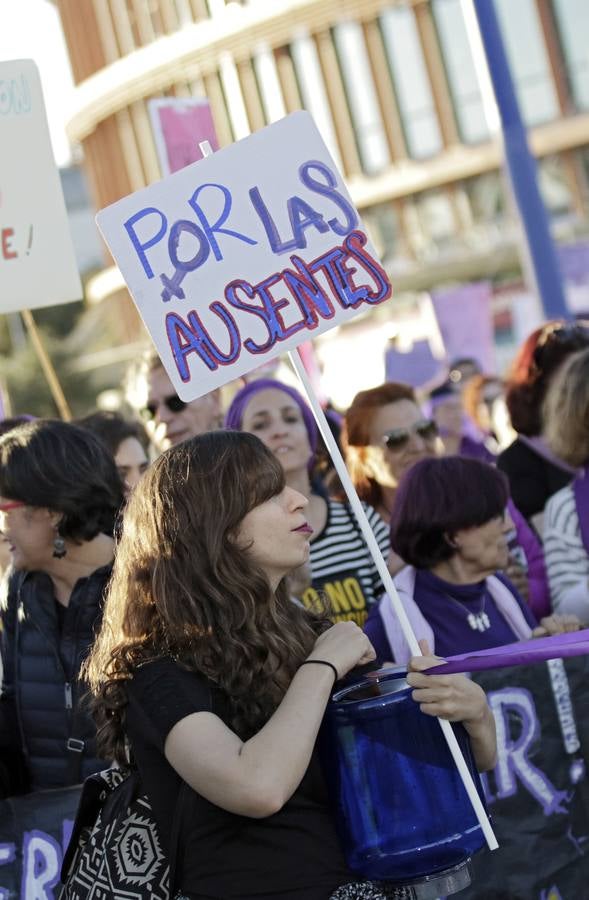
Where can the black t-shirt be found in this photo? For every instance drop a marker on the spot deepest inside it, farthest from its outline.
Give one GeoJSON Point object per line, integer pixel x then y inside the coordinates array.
{"type": "Point", "coordinates": [294, 854]}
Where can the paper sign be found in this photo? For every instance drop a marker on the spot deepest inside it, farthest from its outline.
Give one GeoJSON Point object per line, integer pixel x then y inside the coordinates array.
{"type": "Point", "coordinates": [179, 124]}
{"type": "Point", "coordinates": [37, 262]}
{"type": "Point", "coordinates": [243, 255]}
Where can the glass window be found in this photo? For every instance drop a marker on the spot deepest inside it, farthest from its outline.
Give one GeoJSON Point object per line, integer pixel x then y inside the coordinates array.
{"type": "Point", "coordinates": [312, 89]}
{"type": "Point", "coordinates": [416, 105]}
{"type": "Point", "coordinates": [382, 224]}
{"type": "Point", "coordinates": [572, 17]}
{"type": "Point", "coordinates": [460, 68]}
{"type": "Point", "coordinates": [268, 83]}
{"type": "Point", "coordinates": [436, 218]}
{"type": "Point", "coordinates": [528, 58]}
{"type": "Point", "coordinates": [361, 95]}
{"type": "Point", "coordinates": [486, 198]}
{"type": "Point", "coordinates": [554, 186]}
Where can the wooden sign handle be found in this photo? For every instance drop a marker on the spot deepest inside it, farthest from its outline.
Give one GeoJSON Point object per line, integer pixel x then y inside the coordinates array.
{"type": "Point", "coordinates": [47, 366]}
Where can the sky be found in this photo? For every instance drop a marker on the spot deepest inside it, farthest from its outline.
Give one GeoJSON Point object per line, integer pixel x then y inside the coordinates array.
{"type": "Point", "coordinates": [31, 29]}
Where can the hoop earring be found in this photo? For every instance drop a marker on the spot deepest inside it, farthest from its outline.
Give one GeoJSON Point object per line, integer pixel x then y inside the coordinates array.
{"type": "Point", "coordinates": [59, 548]}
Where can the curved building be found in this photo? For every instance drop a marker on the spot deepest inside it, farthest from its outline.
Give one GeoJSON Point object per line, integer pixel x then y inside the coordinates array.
{"type": "Point", "coordinates": [399, 90]}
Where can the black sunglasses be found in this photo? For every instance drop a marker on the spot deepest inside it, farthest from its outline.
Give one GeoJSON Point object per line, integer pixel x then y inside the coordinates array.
{"type": "Point", "coordinates": [173, 403]}
{"type": "Point", "coordinates": [398, 438]}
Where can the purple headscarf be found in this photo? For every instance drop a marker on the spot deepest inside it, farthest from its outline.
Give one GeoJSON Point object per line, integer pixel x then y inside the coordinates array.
{"type": "Point", "coordinates": [234, 416]}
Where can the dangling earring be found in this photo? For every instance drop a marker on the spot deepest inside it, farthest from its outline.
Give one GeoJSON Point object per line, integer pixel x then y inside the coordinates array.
{"type": "Point", "coordinates": [59, 548]}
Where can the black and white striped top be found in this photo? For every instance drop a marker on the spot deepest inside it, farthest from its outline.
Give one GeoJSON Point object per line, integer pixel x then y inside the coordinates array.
{"type": "Point", "coordinates": [342, 568]}
{"type": "Point", "coordinates": [567, 562]}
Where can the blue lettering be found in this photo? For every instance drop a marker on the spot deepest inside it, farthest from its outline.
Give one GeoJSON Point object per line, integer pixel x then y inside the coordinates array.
{"type": "Point", "coordinates": [303, 216]}
{"type": "Point", "coordinates": [354, 244]}
{"type": "Point", "coordinates": [268, 312]}
{"type": "Point", "coordinates": [327, 188]}
{"type": "Point", "coordinates": [211, 230]}
{"type": "Point", "coordinates": [276, 244]}
{"type": "Point", "coordinates": [192, 337]}
{"type": "Point", "coordinates": [139, 247]}
{"type": "Point", "coordinates": [307, 293]}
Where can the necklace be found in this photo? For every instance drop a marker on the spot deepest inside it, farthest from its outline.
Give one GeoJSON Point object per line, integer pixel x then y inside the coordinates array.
{"type": "Point", "coordinates": [478, 621]}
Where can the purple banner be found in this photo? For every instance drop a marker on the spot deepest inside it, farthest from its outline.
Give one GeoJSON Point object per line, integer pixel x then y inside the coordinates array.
{"type": "Point", "coordinates": [558, 646]}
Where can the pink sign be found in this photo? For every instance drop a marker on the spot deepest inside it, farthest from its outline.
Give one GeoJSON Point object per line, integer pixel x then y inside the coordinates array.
{"type": "Point", "coordinates": [179, 126]}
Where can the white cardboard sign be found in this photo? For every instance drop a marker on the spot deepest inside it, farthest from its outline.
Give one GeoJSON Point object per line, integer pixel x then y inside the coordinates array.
{"type": "Point", "coordinates": [243, 255]}
{"type": "Point", "coordinates": [37, 262]}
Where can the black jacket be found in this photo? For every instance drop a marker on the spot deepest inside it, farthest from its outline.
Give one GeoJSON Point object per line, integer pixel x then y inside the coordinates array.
{"type": "Point", "coordinates": [532, 478]}
{"type": "Point", "coordinates": [40, 702]}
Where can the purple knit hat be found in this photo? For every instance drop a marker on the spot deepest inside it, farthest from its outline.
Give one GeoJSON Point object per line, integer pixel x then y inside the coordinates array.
{"type": "Point", "coordinates": [234, 416]}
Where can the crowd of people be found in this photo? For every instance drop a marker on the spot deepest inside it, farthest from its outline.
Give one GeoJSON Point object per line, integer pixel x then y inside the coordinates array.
{"type": "Point", "coordinates": [199, 573]}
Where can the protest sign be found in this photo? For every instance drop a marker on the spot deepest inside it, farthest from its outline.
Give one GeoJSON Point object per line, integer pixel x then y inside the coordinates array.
{"type": "Point", "coordinates": [37, 263]}
{"type": "Point", "coordinates": [242, 256]}
{"type": "Point", "coordinates": [538, 794]}
{"type": "Point", "coordinates": [179, 124]}
{"type": "Point", "coordinates": [34, 834]}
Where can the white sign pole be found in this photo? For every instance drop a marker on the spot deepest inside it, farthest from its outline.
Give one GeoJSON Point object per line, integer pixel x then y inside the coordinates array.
{"type": "Point", "coordinates": [388, 583]}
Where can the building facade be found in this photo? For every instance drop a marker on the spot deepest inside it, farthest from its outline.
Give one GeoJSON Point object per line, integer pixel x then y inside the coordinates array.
{"type": "Point", "coordinates": [399, 91]}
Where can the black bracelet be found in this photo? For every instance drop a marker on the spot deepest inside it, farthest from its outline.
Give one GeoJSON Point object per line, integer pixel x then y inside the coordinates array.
{"type": "Point", "coordinates": [323, 662]}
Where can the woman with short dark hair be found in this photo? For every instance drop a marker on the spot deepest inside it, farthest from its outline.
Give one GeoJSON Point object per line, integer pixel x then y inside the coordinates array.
{"type": "Point", "coordinates": [450, 525]}
{"type": "Point", "coordinates": [126, 440]}
{"type": "Point", "coordinates": [60, 495]}
{"type": "Point", "coordinates": [219, 680]}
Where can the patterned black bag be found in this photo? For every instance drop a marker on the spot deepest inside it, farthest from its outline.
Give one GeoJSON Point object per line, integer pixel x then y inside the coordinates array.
{"type": "Point", "coordinates": [115, 849]}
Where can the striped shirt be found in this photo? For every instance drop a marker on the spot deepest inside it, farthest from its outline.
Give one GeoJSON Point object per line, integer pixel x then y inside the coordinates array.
{"type": "Point", "coordinates": [342, 568]}
{"type": "Point", "coordinates": [567, 562]}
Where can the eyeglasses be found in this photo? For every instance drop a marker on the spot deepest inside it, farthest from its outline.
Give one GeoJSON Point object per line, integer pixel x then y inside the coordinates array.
{"type": "Point", "coordinates": [398, 438]}
{"type": "Point", "coordinates": [11, 504]}
{"type": "Point", "coordinates": [173, 403]}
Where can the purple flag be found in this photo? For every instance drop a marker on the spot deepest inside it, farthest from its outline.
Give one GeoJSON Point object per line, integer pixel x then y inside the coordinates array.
{"type": "Point", "coordinates": [557, 646]}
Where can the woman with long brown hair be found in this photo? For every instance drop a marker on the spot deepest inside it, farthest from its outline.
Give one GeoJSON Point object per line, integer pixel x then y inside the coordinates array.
{"type": "Point", "coordinates": [218, 679]}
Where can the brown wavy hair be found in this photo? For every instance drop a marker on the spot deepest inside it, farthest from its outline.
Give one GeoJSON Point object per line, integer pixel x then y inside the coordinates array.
{"type": "Point", "coordinates": [566, 411]}
{"type": "Point", "coordinates": [356, 434]}
{"type": "Point", "coordinates": [183, 587]}
{"type": "Point", "coordinates": [539, 357]}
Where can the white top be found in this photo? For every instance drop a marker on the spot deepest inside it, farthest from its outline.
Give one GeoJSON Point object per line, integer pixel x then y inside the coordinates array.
{"type": "Point", "coordinates": [567, 562]}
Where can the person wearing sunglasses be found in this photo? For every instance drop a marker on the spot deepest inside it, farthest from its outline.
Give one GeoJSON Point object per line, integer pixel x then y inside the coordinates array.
{"type": "Point", "coordinates": [60, 495]}
{"type": "Point", "coordinates": [340, 565]}
{"type": "Point", "coordinates": [385, 433]}
{"type": "Point", "coordinates": [170, 419]}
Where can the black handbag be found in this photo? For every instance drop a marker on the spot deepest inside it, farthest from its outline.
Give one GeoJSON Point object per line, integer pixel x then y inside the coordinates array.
{"type": "Point", "coordinates": [115, 848]}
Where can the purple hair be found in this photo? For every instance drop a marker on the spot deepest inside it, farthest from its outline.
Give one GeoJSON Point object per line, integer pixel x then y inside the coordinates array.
{"type": "Point", "coordinates": [234, 416]}
{"type": "Point", "coordinates": [440, 496]}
